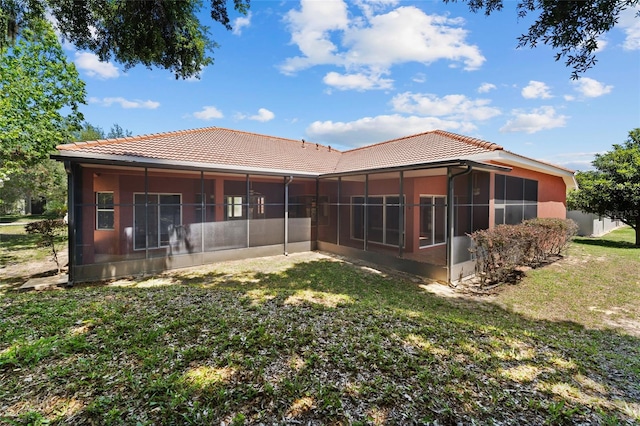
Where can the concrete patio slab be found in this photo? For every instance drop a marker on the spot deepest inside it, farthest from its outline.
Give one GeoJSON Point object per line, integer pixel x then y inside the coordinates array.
{"type": "Point", "coordinates": [45, 283]}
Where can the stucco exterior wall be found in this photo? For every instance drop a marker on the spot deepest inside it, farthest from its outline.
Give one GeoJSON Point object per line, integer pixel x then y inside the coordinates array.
{"type": "Point", "coordinates": [552, 192]}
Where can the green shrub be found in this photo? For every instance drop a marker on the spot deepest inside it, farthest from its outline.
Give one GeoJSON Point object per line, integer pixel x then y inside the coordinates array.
{"type": "Point", "coordinates": [500, 251]}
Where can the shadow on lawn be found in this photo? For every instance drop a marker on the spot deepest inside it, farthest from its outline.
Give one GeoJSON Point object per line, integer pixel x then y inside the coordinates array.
{"type": "Point", "coordinates": [605, 243]}
{"type": "Point", "coordinates": [326, 343]}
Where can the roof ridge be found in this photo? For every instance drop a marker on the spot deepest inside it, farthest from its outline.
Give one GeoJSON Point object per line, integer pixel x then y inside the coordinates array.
{"type": "Point", "coordinates": [82, 144]}
{"type": "Point", "coordinates": [461, 138]}
{"type": "Point", "coordinates": [492, 146]}
{"type": "Point", "coordinates": [360, 148]}
{"type": "Point", "coordinates": [280, 138]}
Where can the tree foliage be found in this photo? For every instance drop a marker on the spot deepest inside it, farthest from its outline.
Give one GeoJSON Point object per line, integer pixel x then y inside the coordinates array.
{"type": "Point", "coordinates": [162, 33]}
{"type": "Point", "coordinates": [118, 132]}
{"type": "Point", "coordinates": [570, 27]}
{"type": "Point", "coordinates": [613, 189]}
{"type": "Point", "coordinates": [40, 95]}
{"type": "Point", "coordinates": [46, 179]}
{"type": "Point", "coordinates": [89, 132]}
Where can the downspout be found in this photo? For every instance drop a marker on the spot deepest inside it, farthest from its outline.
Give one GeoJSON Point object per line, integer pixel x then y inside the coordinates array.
{"type": "Point", "coordinates": [401, 221]}
{"type": "Point", "coordinates": [202, 211]}
{"type": "Point", "coordinates": [287, 182]}
{"type": "Point", "coordinates": [71, 220]}
{"type": "Point", "coordinates": [146, 218]}
{"type": "Point", "coordinates": [365, 206]}
{"type": "Point", "coordinates": [450, 214]}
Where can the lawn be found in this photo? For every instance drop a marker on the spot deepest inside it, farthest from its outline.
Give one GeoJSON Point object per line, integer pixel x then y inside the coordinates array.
{"type": "Point", "coordinates": [20, 255]}
{"type": "Point", "coordinates": [328, 342]}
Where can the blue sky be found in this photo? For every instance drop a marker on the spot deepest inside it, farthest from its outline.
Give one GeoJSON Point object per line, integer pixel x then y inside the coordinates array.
{"type": "Point", "coordinates": [352, 74]}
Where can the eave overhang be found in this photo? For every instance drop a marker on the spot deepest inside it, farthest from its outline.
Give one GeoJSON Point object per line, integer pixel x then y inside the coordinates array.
{"type": "Point", "coordinates": [511, 159]}
{"type": "Point", "coordinates": [476, 165]}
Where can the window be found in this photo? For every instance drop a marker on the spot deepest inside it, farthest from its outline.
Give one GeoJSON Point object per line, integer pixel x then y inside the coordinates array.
{"type": "Point", "coordinates": [433, 214]}
{"type": "Point", "coordinates": [156, 222]}
{"type": "Point", "coordinates": [383, 219]}
{"type": "Point", "coordinates": [234, 207]}
{"type": "Point", "coordinates": [104, 210]}
{"type": "Point", "coordinates": [516, 199]}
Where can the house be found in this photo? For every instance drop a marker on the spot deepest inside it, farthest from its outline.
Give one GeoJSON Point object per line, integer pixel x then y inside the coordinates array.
{"type": "Point", "coordinates": [145, 204]}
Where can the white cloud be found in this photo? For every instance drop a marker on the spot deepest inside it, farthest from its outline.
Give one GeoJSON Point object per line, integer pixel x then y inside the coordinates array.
{"type": "Point", "coordinates": [208, 113]}
{"type": "Point", "coordinates": [359, 81]}
{"type": "Point", "coordinates": [419, 78]}
{"type": "Point", "coordinates": [486, 87]}
{"type": "Point", "coordinates": [94, 68]}
{"type": "Point", "coordinates": [630, 24]}
{"type": "Point", "coordinates": [536, 90]}
{"type": "Point", "coordinates": [369, 7]}
{"type": "Point", "coordinates": [591, 88]}
{"type": "Point", "coordinates": [543, 118]}
{"type": "Point", "coordinates": [125, 103]}
{"type": "Point", "coordinates": [371, 44]}
{"type": "Point", "coordinates": [369, 130]}
{"type": "Point", "coordinates": [263, 115]}
{"type": "Point", "coordinates": [310, 28]}
{"type": "Point", "coordinates": [451, 106]}
{"type": "Point", "coordinates": [407, 34]}
{"type": "Point", "coordinates": [240, 23]}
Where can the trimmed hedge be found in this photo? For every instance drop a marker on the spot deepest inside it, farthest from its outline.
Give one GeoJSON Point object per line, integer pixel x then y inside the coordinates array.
{"type": "Point", "coordinates": [500, 251]}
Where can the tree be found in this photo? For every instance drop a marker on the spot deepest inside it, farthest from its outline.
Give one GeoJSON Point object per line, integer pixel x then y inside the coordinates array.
{"type": "Point", "coordinates": [49, 232]}
{"type": "Point", "coordinates": [46, 180]}
{"type": "Point", "coordinates": [88, 132]}
{"type": "Point", "coordinates": [571, 27]}
{"type": "Point", "coordinates": [118, 132]}
{"type": "Point", "coordinates": [613, 189]}
{"type": "Point", "coordinates": [162, 33]}
{"type": "Point", "coordinates": [40, 94]}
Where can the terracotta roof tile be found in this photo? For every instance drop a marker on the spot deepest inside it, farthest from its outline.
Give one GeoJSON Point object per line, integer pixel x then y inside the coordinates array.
{"type": "Point", "coordinates": [421, 148]}
{"type": "Point", "coordinates": [220, 146]}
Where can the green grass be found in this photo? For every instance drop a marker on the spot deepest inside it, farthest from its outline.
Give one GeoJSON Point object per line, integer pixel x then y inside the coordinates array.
{"type": "Point", "coordinates": [597, 285]}
{"type": "Point", "coordinates": [16, 246]}
{"type": "Point", "coordinates": [322, 342]}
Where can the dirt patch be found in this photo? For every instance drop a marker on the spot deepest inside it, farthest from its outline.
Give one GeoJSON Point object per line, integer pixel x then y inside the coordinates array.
{"type": "Point", "coordinates": [14, 275]}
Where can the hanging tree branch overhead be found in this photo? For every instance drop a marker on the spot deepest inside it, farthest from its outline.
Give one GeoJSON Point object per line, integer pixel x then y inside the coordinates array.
{"type": "Point", "coordinates": [570, 27]}
{"type": "Point", "coordinates": [162, 33]}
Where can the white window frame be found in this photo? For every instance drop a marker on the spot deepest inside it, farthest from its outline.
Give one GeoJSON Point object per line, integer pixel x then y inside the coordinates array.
{"type": "Point", "coordinates": [107, 210]}
{"type": "Point", "coordinates": [234, 205]}
{"type": "Point", "coordinates": [433, 220]}
{"type": "Point", "coordinates": [158, 194]}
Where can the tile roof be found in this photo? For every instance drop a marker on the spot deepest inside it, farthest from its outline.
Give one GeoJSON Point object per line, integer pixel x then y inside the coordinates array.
{"type": "Point", "coordinates": [220, 146]}
{"type": "Point", "coordinates": [417, 149]}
